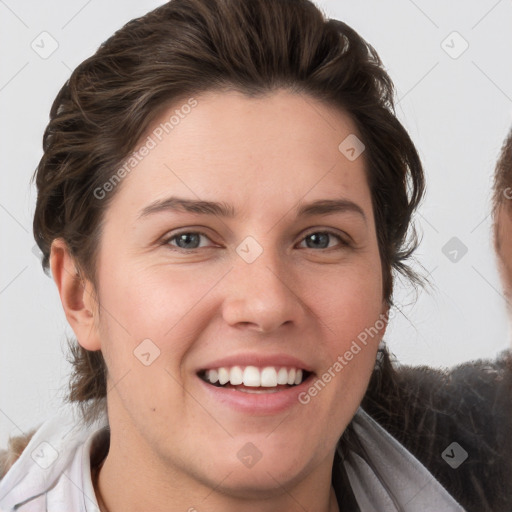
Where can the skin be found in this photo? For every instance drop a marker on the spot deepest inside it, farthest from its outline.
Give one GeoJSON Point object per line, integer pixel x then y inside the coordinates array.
{"type": "Point", "coordinates": [171, 447]}
{"type": "Point", "coordinates": [503, 245]}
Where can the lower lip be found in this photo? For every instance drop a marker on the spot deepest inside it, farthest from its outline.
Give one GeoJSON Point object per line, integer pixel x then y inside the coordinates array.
{"type": "Point", "coordinates": [257, 403]}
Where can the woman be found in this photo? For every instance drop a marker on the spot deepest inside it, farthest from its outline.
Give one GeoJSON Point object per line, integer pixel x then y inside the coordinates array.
{"type": "Point", "coordinates": [502, 219]}
{"type": "Point", "coordinates": [226, 358]}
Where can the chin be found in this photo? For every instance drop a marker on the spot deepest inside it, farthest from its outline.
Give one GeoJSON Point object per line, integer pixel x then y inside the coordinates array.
{"type": "Point", "coordinates": [264, 463]}
{"type": "Point", "coordinates": [264, 480]}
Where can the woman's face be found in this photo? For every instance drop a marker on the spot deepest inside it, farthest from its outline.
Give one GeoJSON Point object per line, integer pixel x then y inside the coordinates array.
{"type": "Point", "coordinates": [185, 290]}
{"type": "Point", "coordinates": [504, 250]}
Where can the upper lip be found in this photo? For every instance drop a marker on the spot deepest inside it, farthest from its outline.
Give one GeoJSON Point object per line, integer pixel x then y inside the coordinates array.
{"type": "Point", "coordinates": [258, 360]}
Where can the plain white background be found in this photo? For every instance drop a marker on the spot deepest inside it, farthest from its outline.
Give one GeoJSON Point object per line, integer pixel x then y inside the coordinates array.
{"type": "Point", "coordinates": [454, 95]}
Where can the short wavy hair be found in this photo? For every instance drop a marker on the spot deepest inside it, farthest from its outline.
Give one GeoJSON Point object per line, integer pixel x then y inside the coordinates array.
{"type": "Point", "coordinates": [184, 48]}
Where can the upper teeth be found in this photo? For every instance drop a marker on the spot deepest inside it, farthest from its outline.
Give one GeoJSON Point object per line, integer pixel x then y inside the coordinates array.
{"type": "Point", "coordinates": [254, 377]}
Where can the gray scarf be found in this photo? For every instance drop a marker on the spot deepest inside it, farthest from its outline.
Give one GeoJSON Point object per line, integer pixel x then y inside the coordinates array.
{"type": "Point", "coordinates": [390, 478]}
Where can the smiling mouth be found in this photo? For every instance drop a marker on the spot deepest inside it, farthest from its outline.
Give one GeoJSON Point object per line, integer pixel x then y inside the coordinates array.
{"type": "Point", "coordinates": [251, 379]}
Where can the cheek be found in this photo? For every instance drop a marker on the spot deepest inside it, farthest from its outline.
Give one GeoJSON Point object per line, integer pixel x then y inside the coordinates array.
{"type": "Point", "coordinates": [145, 336]}
{"type": "Point", "coordinates": [350, 300]}
{"type": "Point", "coordinates": [152, 303]}
{"type": "Point", "coordinates": [353, 323]}
{"type": "Point", "coordinates": [149, 302]}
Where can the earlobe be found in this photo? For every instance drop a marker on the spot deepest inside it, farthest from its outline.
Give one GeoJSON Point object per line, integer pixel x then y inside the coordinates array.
{"type": "Point", "coordinates": [76, 295]}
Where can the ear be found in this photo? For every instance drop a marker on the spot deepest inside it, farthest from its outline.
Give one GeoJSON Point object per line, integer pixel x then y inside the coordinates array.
{"type": "Point", "coordinates": [76, 295]}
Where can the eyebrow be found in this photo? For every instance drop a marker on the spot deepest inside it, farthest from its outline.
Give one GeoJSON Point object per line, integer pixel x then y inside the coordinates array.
{"type": "Point", "coordinates": [222, 209]}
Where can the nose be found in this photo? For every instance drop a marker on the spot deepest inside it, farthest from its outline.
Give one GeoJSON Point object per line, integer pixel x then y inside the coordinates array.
{"type": "Point", "coordinates": [262, 295]}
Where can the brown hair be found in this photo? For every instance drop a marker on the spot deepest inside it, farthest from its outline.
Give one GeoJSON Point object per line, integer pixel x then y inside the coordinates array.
{"type": "Point", "coordinates": [502, 193]}
{"type": "Point", "coordinates": [186, 47]}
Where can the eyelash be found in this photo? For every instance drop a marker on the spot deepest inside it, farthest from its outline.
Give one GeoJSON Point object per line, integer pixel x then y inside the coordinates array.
{"type": "Point", "coordinates": [167, 240]}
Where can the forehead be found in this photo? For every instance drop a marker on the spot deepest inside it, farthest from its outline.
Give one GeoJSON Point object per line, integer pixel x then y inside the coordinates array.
{"type": "Point", "coordinates": [293, 124]}
{"type": "Point", "coordinates": [276, 148]}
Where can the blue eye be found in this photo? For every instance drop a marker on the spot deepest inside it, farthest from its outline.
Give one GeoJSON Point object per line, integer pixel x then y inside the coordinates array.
{"type": "Point", "coordinates": [188, 241]}
{"type": "Point", "coordinates": [321, 237]}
